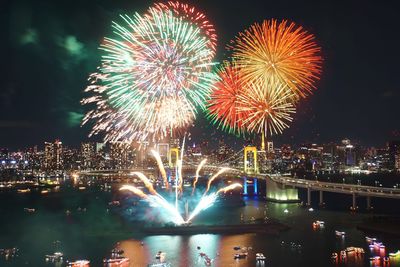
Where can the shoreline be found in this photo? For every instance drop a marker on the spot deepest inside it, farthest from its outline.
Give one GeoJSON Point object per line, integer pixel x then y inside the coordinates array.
{"type": "Point", "coordinates": [269, 228]}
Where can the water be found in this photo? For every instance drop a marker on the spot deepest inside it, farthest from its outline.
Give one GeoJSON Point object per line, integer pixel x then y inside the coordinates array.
{"type": "Point", "coordinates": [91, 234]}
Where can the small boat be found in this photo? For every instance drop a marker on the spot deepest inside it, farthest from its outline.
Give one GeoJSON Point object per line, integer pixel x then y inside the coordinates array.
{"type": "Point", "coordinates": [370, 240]}
{"type": "Point", "coordinates": [395, 254]}
{"type": "Point", "coordinates": [343, 254]}
{"type": "Point", "coordinates": [260, 257]}
{"type": "Point", "coordinates": [236, 247]}
{"type": "Point", "coordinates": [334, 256]}
{"type": "Point", "coordinates": [79, 263]}
{"type": "Point", "coordinates": [240, 255]}
{"type": "Point", "coordinates": [9, 252]}
{"type": "Point", "coordinates": [350, 249]}
{"type": "Point", "coordinates": [160, 255]}
{"type": "Point", "coordinates": [29, 210]}
{"type": "Point", "coordinates": [340, 234]}
{"type": "Point", "coordinates": [55, 257]}
{"type": "Point", "coordinates": [386, 259]}
{"type": "Point", "coordinates": [116, 262]}
{"type": "Point", "coordinates": [202, 254]}
{"type": "Point", "coordinates": [24, 190]}
{"type": "Point", "coordinates": [44, 191]}
{"type": "Point", "coordinates": [160, 264]}
{"type": "Point", "coordinates": [375, 259]}
{"type": "Point", "coordinates": [317, 224]}
{"type": "Point", "coordinates": [359, 250]}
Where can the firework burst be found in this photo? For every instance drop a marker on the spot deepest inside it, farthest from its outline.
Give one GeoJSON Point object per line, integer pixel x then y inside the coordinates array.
{"type": "Point", "coordinates": [190, 13]}
{"type": "Point", "coordinates": [268, 109]}
{"type": "Point", "coordinates": [223, 103]}
{"type": "Point", "coordinates": [155, 74]}
{"type": "Point", "coordinates": [279, 51]}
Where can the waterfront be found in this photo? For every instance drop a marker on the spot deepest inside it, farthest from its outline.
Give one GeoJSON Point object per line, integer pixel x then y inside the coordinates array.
{"type": "Point", "coordinates": [92, 228]}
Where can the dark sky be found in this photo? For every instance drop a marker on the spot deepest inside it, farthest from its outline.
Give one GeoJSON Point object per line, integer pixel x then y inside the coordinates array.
{"type": "Point", "coordinates": [50, 47]}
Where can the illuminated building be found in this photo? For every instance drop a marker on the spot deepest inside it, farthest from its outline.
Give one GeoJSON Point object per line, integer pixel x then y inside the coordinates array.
{"type": "Point", "coordinates": [53, 153]}
{"type": "Point", "coordinates": [87, 154]}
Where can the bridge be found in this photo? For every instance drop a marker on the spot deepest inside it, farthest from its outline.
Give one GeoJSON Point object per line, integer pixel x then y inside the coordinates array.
{"type": "Point", "coordinates": [279, 188]}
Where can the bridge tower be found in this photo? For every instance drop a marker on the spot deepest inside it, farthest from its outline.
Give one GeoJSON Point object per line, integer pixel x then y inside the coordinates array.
{"type": "Point", "coordinates": [249, 170]}
{"type": "Point", "coordinates": [253, 150]}
{"type": "Point", "coordinates": [171, 151]}
{"type": "Point", "coordinates": [163, 149]}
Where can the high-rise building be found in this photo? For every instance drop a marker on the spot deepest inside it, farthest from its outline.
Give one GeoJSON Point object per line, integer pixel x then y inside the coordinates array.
{"type": "Point", "coordinates": [53, 153]}
{"type": "Point", "coordinates": [87, 154]}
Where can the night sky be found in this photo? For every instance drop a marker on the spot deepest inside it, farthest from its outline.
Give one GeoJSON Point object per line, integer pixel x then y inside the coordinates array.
{"type": "Point", "coordinates": [50, 47]}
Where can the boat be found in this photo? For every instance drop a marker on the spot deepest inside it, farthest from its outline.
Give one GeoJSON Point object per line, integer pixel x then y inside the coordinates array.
{"type": "Point", "coordinates": [9, 252]}
{"type": "Point", "coordinates": [340, 234]}
{"type": "Point", "coordinates": [318, 224]}
{"type": "Point", "coordinates": [334, 255]}
{"type": "Point", "coordinates": [116, 262]}
{"type": "Point", "coordinates": [160, 255]}
{"type": "Point", "coordinates": [370, 240]}
{"type": "Point", "coordinates": [375, 259]}
{"type": "Point", "coordinates": [343, 254]}
{"type": "Point", "coordinates": [350, 249]}
{"type": "Point", "coordinates": [359, 250]}
{"type": "Point", "coordinates": [24, 190]}
{"type": "Point", "coordinates": [160, 264]}
{"type": "Point", "coordinates": [236, 247]}
{"type": "Point", "coordinates": [386, 259]}
{"type": "Point", "coordinates": [240, 255]}
{"type": "Point", "coordinates": [395, 254]}
{"type": "Point", "coordinates": [55, 257]}
{"type": "Point", "coordinates": [29, 210]}
{"type": "Point", "coordinates": [116, 252]}
{"type": "Point", "coordinates": [260, 257]}
{"type": "Point", "coordinates": [79, 263]}
{"type": "Point", "coordinates": [44, 191]}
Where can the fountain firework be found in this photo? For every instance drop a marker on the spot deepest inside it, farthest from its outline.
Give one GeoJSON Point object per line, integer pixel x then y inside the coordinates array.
{"type": "Point", "coordinates": [158, 201]}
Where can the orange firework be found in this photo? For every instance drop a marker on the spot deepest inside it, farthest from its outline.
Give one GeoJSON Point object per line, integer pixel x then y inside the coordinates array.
{"type": "Point", "coordinates": [279, 51]}
{"type": "Point", "coordinates": [223, 103]}
{"type": "Point", "coordinates": [268, 108]}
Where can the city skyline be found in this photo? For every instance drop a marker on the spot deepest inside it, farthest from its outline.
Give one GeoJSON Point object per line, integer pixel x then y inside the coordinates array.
{"type": "Point", "coordinates": [40, 104]}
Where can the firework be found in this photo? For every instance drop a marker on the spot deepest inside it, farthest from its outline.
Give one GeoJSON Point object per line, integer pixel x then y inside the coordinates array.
{"type": "Point", "coordinates": [202, 163]}
{"type": "Point", "coordinates": [146, 182]}
{"type": "Point", "coordinates": [158, 201]}
{"type": "Point", "coordinates": [223, 103]}
{"type": "Point", "coordinates": [157, 157]}
{"type": "Point", "coordinates": [279, 51]}
{"type": "Point", "coordinates": [155, 74]}
{"type": "Point", "coordinates": [221, 171]}
{"type": "Point", "coordinates": [190, 13]}
{"type": "Point", "coordinates": [134, 190]}
{"type": "Point", "coordinates": [267, 111]}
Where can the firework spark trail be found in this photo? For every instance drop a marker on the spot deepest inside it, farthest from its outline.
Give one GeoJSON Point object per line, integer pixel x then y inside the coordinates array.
{"type": "Point", "coordinates": [229, 188]}
{"type": "Point", "coordinates": [156, 155]}
{"type": "Point", "coordinates": [158, 201]}
{"type": "Point", "coordinates": [176, 216]}
{"type": "Point", "coordinates": [207, 201]}
{"type": "Point", "coordinates": [180, 163]}
{"type": "Point", "coordinates": [146, 182]}
{"type": "Point", "coordinates": [213, 178]}
{"type": "Point", "coordinates": [202, 163]}
{"type": "Point", "coordinates": [134, 190]}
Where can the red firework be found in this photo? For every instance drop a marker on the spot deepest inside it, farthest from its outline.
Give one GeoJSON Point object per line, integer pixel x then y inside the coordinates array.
{"type": "Point", "coordinates": [223, 106]}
